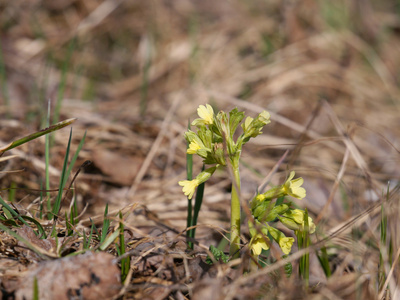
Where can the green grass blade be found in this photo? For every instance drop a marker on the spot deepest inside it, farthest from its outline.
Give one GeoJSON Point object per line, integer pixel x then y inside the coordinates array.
{"type": "Point", "coordinates": [37, 134]}
{"type": "Point", "coordinates": [68, 224]}
{"type": "Point", "coordinates": [197, 206]}
{"type": "Point", "coordinates": [12, 211]}
{"type": "Point", "coordinates": [35, 289]}
{"type": "Point", "coordinates": [88, 241]}
{"type": "Point", "coordinates": [63, 79]}
{"type": "Point", "coordinates": [324, 262]}
{"type": "Point", "coordinates": [125, 262]}
{"type": "Point", "coordinates": [306, 244]}
{"type": "Point", "coordinates": [63, 180]}
{"type": "Point", "coordinates": [189, 176]}
{"type": "Point", "coordinates": [47, 159]}
{"type": "Point", "coordinates": [7, 213]}
{"type": "Point", "coordinates": [106, 225]}
{"type": "Point", "coordinates": [11, 192]}
{"type": "Point", "coordinates": [73, 160]}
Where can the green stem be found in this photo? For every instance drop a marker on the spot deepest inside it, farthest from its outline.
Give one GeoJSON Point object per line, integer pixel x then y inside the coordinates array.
{"type": "Point", "coordinates": [235, 214]}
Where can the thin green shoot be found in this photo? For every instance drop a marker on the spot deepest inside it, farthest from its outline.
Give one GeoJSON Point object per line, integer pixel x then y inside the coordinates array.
{"type": "Point", "coordinates": [106, 225]}
{"type": "Point", "coordinates": [95, 229]}
{"type": "Point", "coordinates": [303, 240]}
{"type": "Point", "coordinates": [125, 262]}
{"type": "Point", "coordinates": [47, 160]}
{"type": "Point", "coordinates": [7, 213]}
{"type": "Point", "coordinates": [197, 206]}
{"type": "Point", "coordinates": [383, 240]}
{"type": "Point", "coordinates": [68, 224]}
{"type": "Point", "coordinates": [8, 218]}
{"type": "Point", "coordinates": [63, 181]}
{"type": "Point", "coordinates": [87, 241]}
{"type": "Point", "coordinates": [37, 134]}
{"type": "Point", "coordinates": [12, 211]}
{"type": "Point", "coordinates": [63, 80]}
{"type": "Point", "coordinates": [35, 289]}
{"type": "Point", "coordinates": [73, 214]}
{"type": "Point", "coordinates": [11, 192]}
{"type": "Point", "coordinates": [41, 202]}
{"type": "Point", "coordinates": [66, 172]}
{"type": "Point", "coordinates": [74, 158]}
{"type": "Point", "coordinates": [324, 262]}
{"type": "Point", "coordinates": [189, 176]}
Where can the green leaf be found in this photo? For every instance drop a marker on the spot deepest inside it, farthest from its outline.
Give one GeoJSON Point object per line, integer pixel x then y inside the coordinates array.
{"type": "Point", "coordinates": [218, 254]}
{"type": "Point", "coordinates": [235, 117]}
{"type": "Point", "coordinates": [12, 211]}
{"type": "Point", "coordinates": [288, 268]}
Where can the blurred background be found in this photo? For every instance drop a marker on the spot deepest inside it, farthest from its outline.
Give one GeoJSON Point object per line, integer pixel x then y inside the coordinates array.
{"type": "Point", "coordinates": [134, 72]}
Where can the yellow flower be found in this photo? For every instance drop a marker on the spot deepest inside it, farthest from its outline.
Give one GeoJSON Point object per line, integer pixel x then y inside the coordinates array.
{"type": "Point", "coordinates": [193, 147]}
{"type": "Point", "coordinates": [286, 244]}
{"type": "Point", "coordinates": [293, 187]}
{"type": "Point", "coordinates": [257, 243]}
{"type": "Point", "coordinates": [260, 197]}
{"type": "Point", "coordinates": [189, 187]}
{"type": "Point", "coordinates": [206, 114]}
{"type": "Point", "coordinates": [311, 225]}
{"type": "Point", "coordinates": [297, 215]}
{"type": "Point", "coordinates": [265, 117]}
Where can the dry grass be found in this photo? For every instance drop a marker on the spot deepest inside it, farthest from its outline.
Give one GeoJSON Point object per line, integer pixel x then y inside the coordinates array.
{"type": "Point", "coordinates": [328, 72]}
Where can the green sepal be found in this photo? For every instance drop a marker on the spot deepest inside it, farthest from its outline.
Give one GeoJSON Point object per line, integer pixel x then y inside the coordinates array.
{"type": "Point", "coordinates": [277, 210]}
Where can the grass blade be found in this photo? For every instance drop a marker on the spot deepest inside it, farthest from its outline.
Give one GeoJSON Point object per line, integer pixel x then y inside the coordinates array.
{"type": "Point", "coordinates": [63, 180]}
{"type": "Point", "coordinates": [125, 262]}
{"type": "Point", "coordinates": [189, 175]}
{"type": "Point", "coordinates": [106, 225]}
{"type": "Point", "coordinates": [37, 134]}
{"type": "Point", "coordinates": [197, 206]}
{"type": "Point", "coordinates": [12, 211]}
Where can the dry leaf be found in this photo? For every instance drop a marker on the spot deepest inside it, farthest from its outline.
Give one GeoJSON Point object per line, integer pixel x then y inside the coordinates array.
{"type": "Point", "coordinates": [28, 234]}
{"type": "Point", "coordinates": [120, 168]}
{"type": "Point", "coordinates": [90, 276]}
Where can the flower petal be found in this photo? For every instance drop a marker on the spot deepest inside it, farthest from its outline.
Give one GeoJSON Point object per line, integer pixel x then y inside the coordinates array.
{"type": "Point", "coordinates": [206, 113]}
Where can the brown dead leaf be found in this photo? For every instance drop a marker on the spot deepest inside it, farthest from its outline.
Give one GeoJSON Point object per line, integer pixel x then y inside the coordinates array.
{"type": "Point", "coordinates": [28, 234]}
{"type": "Point", "coordinates": [90, 276]}
{"type": "Point", "coordinates": [120, 168]}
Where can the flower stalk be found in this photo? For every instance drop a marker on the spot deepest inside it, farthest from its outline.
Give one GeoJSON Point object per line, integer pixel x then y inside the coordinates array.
{"type": "Point", "coordinates": [235, 215]}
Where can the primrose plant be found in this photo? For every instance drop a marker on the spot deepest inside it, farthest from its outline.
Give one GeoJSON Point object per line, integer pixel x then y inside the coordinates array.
{"type": "Point", "coordinates": [214, 143]}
